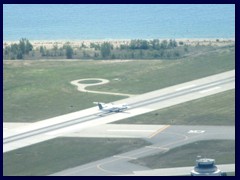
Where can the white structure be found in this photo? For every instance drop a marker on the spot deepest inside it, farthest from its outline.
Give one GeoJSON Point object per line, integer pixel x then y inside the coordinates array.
{"type": "Point", "coordinates": [206, 167]}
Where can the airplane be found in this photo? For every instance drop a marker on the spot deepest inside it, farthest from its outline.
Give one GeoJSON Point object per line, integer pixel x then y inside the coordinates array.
{"type": "Point", "coordinates": [111, 107]}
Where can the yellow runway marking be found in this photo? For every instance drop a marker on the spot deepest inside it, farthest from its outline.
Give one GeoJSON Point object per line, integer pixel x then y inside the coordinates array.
{"type": "Point", "coordinates": [107, 171]}
{"type": "Point", "coordinates": [158, 131]}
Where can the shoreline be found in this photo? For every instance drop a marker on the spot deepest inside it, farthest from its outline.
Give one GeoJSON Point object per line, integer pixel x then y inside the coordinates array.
{"type": "Point", "coordinates": [117, 42]}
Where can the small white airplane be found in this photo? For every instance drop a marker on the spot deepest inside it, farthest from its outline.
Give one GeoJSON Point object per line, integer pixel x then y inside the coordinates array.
{"type": "Point", "coordinates": [111, 107]}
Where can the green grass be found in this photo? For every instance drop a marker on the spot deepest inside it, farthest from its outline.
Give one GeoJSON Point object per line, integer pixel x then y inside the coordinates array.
{"type": "Point", "coordinates": [149, 75]}
{"type": "Point", "coordinates": [36, 90]}
{"type": "Point", "coordinates": [218, 109]}
{"type": "Point", "coordinates": [58, 154]}
{"type": "Point", "coordinates": [230, 173]}
{"type": "Point", "coordinates": [89, 81]}
{"type": "Point", "coordinates": [223, 151]}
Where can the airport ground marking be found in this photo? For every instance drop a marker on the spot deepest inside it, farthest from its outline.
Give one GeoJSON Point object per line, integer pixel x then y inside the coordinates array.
{"type": "Point", "coordinates": [211, 89]}
{"type": "Point", "coordinates": [124, 157]}
{"type": "Point", "coordinates": [175, 142]}
{"type": "Point", "coordinates": [130, 130]}
{"type": "Point", "coordinates": [186, 87]}
{"type": "Point", "coordinates": [119, 157]}
{"type": "Point", "coordinates": [108, 171]}
{"type": "Point", "coordinates": [196, 131]}
{"type": "Point", "coordinates": [157, 147]}
{"type": "Point", "coordinates": [158, 131]}
{"type": "Point", "coordinates": [178, 134]}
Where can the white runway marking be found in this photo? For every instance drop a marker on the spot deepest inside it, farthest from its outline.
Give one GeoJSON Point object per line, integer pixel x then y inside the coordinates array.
{"type": "Point", "coordinates": [155, 147]}
{"type": "Point", "coordinates": [211, 89]}
{"type": "Point", "coordinates": [122, 130]}
{"type": "Point", "coordinates": [196, 131]}
{"type": "Point", "coordinates": [125, 157]}
{"type": "Point", "coordinates": [186, 87]}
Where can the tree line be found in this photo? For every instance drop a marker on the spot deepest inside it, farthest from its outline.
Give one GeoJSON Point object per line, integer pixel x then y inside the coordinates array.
{"type": "Point", "coordinates": [136, 49]}
{"type": "Point", "coordinates": [17, 51]}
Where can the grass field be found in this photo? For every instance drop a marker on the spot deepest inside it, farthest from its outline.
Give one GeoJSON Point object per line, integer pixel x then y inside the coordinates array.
{"type": "Point", "coordinates": [89, 81]}
{"type": "Point", "coordinates": [36, 90]}
{"type": "Point", "coordinates": [218, 109]}
{"type": "Point", "coordinates": [144, 76]}
{"type": "Point", "coordinates": [62, 153]}
{"type": "Point", "coordinates": [231, 174]}
{"type": "Point", "coordinates": [223, 151]}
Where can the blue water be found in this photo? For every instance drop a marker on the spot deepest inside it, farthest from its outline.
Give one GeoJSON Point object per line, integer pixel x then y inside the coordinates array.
{"type": "Point", "coordinates": [68, 22]}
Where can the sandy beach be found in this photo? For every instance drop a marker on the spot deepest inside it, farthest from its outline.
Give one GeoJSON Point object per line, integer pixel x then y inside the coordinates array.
{"type": "Point", "coordinates": [117, 42]}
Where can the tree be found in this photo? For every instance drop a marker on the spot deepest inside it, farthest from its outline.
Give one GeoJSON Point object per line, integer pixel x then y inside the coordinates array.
{"type": "Point", "coordinates": [7, 50]}
{"type": "Point", "coordinates": [123, 46]}
{"type": "Point", "coordinates": [16, 52]}
{"type": "Point", "coordinates": [55, 49]}
{"type": "Point", "coordinates": [96, 55]}
{"type": "Point", "coordinates": [95, 46]}
{"type": "Point", "coordinates": [155, 44]}
{"type": "Point", "coordinates": [69, 51]}
{"type": "Point", "coordinates": [180, 43]}
{"type": "Point", "coordinates": [83, 45]}
{"type": "Point", "coordinates": [144, 44]}
{"type": "Point", "coordinates": [25, 46]}
{"type": "Point", "coordinates": [172, 44]}
{"type": "Point", "coordinates": [43, 50]}
{"type": "Point", "coordinates": [133, 44]}
{"type": "Point", "coordinates": [113, 56]}
{"type": "Point", "coordinates": [105, 50]}
{"type": "Point", "coordinates": [176, 54]}
{"type": "Point", "coordinates": [141, 54]}
{"type": "Point", "coordinates": [164, 44]}
{"type": "Point", "coordinates": [14, 48]}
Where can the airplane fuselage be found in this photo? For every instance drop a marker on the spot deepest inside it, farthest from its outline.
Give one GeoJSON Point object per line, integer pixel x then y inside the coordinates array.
{"type": "Point", "coordinates": [111, 108]}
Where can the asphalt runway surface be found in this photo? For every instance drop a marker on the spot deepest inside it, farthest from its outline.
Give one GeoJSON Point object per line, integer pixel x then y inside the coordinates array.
{"type": "Point", "coordinates": [171, 137]}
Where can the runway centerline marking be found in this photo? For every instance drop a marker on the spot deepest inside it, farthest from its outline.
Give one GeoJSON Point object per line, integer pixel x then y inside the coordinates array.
{"type": "Point", "coordinates": [158, 131]}
{"type": "Point", "coordinates": [130, 130]}
{"type": "Point", "coordinates": [186, 87]}
{"type": "Point", "coordinates": [211, 89]}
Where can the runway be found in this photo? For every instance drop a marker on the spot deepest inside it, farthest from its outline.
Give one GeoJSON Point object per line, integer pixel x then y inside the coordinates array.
{"type": "Point", "coordinates": [58, 126]}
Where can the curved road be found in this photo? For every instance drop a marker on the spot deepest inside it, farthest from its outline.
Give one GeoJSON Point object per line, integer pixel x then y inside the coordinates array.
{"type": "Point", "coordinates": [81, 86]}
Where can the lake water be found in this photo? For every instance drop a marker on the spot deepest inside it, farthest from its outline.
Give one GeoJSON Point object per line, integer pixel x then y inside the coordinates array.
{"type": "Point", "coordinates": [77, 22]}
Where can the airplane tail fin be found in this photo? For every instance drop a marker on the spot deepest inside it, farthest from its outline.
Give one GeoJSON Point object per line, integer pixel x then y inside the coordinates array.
{"type": "Point", "coordinates": [100, 105]}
